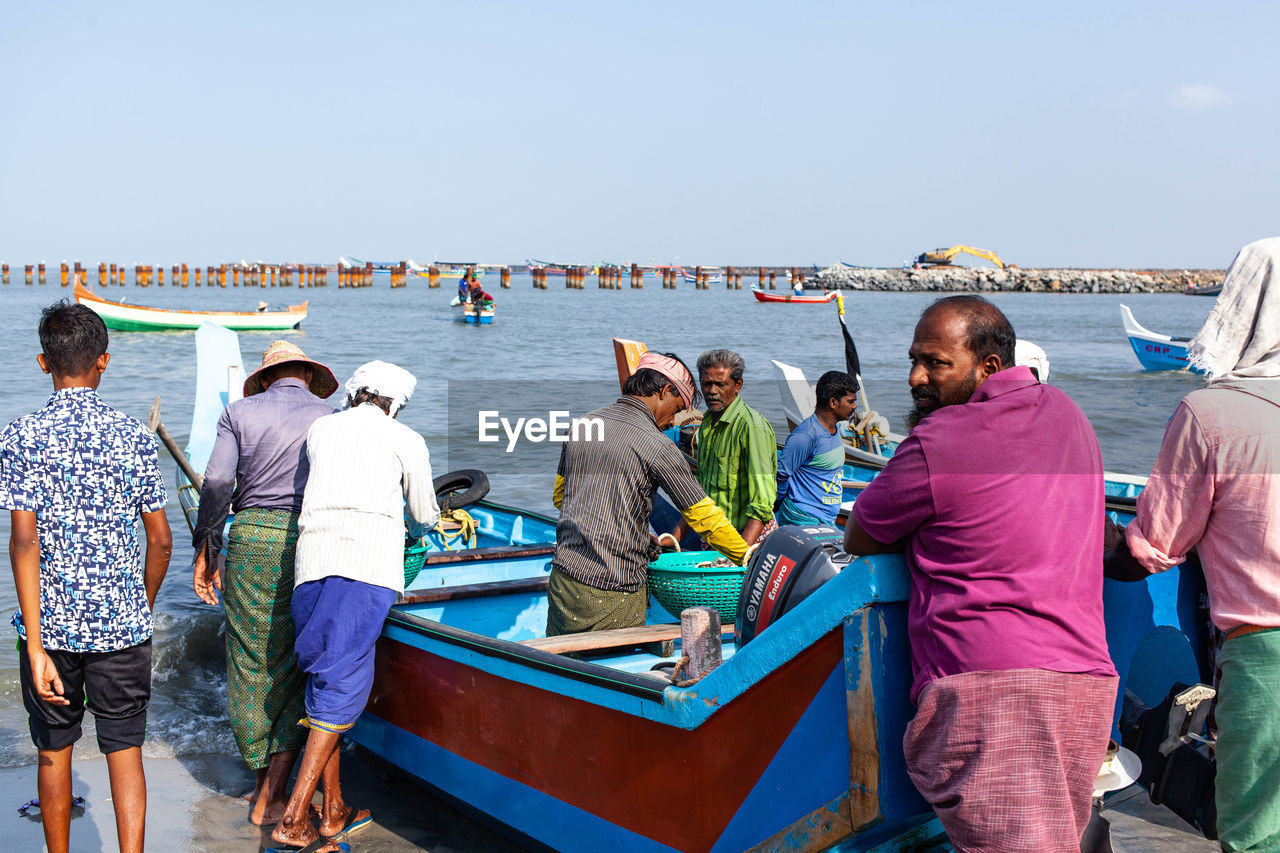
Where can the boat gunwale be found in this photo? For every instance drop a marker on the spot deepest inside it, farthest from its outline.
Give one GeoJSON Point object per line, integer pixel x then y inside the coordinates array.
{"type": "Point", "coordinates": [643, 687]}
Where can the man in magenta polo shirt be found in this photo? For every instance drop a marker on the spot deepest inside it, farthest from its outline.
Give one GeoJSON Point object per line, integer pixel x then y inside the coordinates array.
{"type": "Point", "coordinates": [997, 498]}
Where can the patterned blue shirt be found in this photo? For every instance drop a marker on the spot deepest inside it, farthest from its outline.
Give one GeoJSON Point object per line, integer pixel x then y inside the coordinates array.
{"type": "Point", "coordinates": [87, 471]}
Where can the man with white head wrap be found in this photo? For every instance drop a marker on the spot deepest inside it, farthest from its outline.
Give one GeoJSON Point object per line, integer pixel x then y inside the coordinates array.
{"type": "Point", "coordinates": [367, 469]}
{"type": "Point", "coordinates": [1215, 487]}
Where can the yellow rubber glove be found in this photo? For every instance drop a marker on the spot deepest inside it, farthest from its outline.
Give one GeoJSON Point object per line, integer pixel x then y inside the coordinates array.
{"type": "Point", "coordinates": [557, 493]}
{"type": "Point", "coordinates": [710, 522]}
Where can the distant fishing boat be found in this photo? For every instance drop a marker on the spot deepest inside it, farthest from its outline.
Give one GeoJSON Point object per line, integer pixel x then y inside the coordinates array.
{"type": "Point", "coordinates": [548, 267]}
{"type": "Point", "coordinates": [768, 296]}
{"type": "Point", "coordinates": [1154, 350]}
{"type": "Point", "coordinates": [138, 318]}
{"type": "Point", "coordinates": [475, 314]}
{"type": "Point", "coordinates": [711, 277]}
{"type": "Point", "coordinates": [1203, 289]}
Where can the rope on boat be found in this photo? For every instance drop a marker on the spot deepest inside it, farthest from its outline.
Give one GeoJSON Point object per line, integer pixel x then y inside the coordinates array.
{"type": "Point", "coordinates": [679, 671]}
{"type": "Point", "coordinates": [465, 534]}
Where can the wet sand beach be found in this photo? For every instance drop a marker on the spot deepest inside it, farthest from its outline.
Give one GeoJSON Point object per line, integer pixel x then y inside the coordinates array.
{"type": "Point", "coordinates": [193, 806]}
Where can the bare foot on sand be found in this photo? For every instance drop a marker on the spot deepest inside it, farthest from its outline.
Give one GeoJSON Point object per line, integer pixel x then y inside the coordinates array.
{"type": "Point", "coordinates": [336, 824]}
{"type": "Point", "coordinates": [265, 813]}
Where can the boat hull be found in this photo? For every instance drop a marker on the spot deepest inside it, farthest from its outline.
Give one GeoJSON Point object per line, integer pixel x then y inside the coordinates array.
{"type": "Point", "coordinates": [765, 296]}
{"type": "Point", "coordinates": [1160, 355]}
{"type": "Point", "coordinates": [1154, 350]}
{"type": "Point", "coordinates": [581, 757]}
{"type": "Point", "coordinates": [135, 318]}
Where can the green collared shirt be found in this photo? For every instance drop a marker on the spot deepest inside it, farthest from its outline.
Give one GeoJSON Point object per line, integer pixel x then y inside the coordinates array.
{"type": "Point", "coordinates": [738, 463]}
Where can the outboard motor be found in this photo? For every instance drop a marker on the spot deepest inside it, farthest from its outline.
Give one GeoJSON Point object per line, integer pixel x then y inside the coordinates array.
{"type": "Point", "coordinates": [793, 562]}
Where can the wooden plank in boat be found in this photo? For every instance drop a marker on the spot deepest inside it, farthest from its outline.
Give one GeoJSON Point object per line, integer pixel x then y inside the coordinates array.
{"type": "Point", "coordinates": [591, 641]}
{"type": "Point", "coordinates": [477, 590]}
{"type": "Point", "coordinates": [508, 552]}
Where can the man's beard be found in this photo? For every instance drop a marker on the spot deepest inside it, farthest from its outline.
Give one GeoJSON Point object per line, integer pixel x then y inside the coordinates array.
{"type": "Point", "coordinates": [932, 400]}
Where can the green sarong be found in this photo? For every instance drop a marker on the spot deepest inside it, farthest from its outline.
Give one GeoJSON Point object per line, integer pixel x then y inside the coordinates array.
{"type": "Point", "coordinates": [1248, 749]}
{"type": "Point", "coordinates": [265, 688]}
{"type": "Point", "coordinates": [573, 606]}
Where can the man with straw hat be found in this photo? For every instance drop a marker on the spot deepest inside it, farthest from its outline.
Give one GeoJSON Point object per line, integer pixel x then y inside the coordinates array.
{"type": "Point", "coordinates": [1215, 487]}
{"type": "Point", "coordinates": [259, 468]}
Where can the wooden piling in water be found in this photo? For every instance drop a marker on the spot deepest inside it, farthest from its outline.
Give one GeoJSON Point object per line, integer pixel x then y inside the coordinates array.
{"type": "Point", "coordinates": [40, 270]}
{"type": "Point", "coordinates": [4, 273]}
{"type": "Point", "coordinates": [28, 273]}
{"type": "Point", "coordinates": [504, 278]}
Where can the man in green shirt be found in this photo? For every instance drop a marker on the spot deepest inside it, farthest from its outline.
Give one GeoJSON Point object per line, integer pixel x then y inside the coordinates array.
{"type": "Point", "coordinates": [736, 449]}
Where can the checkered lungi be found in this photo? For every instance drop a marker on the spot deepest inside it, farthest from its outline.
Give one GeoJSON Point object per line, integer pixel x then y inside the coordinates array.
{"type": "Point", "coordinates": [264, 685]}
{"type": "Point", "coordinates": [1007, 759]}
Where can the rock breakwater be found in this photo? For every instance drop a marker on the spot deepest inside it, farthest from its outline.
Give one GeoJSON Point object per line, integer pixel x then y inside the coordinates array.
{"type": "Point", "coordinates": [982, 279]}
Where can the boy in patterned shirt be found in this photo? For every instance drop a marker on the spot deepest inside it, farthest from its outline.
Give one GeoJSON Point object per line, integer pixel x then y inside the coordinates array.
{"type": "Point", "coordinates": [75, 476]}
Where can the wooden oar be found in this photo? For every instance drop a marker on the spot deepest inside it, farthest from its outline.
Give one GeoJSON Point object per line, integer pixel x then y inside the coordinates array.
{"type": "Point", "coordinates": [157, 426]}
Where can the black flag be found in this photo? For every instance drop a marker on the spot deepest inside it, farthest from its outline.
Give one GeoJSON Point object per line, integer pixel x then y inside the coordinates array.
{"type": "Point", "coordinates": [852, 365]}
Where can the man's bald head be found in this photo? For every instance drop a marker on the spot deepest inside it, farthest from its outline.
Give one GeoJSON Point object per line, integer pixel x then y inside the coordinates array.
{"type": "Point", "coordinates": [987, 330]}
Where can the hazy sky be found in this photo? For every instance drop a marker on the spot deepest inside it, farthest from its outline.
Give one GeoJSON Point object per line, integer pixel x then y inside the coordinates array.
{"type": "Point", "coordinates": [1080, 134]}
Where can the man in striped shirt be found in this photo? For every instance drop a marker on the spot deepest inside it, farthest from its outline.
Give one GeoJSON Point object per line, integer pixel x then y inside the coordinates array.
{"type": "Point", "coordinates": [604, 489]}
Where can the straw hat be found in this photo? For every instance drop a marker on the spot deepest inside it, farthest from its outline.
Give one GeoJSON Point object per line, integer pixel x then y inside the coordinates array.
{"type": "Point", "coordinates": [323, 384]}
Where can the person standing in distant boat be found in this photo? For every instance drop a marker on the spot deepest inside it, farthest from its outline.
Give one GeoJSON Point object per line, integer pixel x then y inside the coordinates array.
{"type": "Point", "coordinates": [367, 471]}
{"type": "Point", "coordinates": [258, 467]}
{"type": "Point", "coordinates": [997, 498]}
{"type": "Point", "coordinates": [812, 461]}
{"type": "Point", "coordinates": [76, 477]}
{"type": "Point", "coordinates": [1215, 487]}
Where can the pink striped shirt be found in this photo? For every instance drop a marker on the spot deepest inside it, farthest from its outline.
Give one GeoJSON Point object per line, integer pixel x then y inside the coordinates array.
{"type": "Point", "coordinates": [1216, 487]}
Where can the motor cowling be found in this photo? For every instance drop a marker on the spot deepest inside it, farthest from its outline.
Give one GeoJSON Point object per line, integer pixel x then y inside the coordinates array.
{"type": "Point", "coordinates": [793, 562]}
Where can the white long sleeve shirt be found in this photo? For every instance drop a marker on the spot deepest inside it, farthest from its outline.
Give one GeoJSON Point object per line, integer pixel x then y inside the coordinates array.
{"type": "Point", "coordinates": [366, 469]}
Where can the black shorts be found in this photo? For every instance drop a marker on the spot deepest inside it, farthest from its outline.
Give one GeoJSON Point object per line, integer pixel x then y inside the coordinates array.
{"type": "Point", "coordinates": [115, 686]}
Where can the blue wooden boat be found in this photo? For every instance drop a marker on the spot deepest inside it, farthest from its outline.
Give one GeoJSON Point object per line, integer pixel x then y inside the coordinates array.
{"type": "Point", "coordinates": [793, 743]}
{"type": "Point", "coordinates": [1154, 350]}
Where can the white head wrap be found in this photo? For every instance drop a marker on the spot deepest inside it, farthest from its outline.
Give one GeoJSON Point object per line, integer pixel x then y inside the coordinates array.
{"type": "Point", "coordinates": [1240, 340]}
{"type": "Point", "coordinates": [385, 380]}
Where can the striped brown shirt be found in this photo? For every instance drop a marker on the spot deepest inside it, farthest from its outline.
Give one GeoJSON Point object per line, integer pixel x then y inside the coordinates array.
{"type": "Point", "coordinates": [603, 536]}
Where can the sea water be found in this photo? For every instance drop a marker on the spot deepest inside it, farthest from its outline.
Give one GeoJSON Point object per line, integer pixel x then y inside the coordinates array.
{"type": "Point", "coordinates": [547, 351]}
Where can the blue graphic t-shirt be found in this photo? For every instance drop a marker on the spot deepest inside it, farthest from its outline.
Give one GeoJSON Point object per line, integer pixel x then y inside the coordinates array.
{"type": "Point", "coordinates": [809, 469]}
{"type": "Point", "coordinates": [87, 471]}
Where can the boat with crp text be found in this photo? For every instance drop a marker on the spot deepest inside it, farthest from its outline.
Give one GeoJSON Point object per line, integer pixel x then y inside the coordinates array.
{"type": "Point", "coordinates": [1154, 350]}
{"type": "Point", "coordinates": [137, 318]}
{"type": "Point", "coordinates": [811, 299]}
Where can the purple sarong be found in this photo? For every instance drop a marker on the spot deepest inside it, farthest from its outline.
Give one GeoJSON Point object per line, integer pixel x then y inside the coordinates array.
{"type": "Point", "coordinates": [1007, 759]}
{"type": "Point", "coordinates": [338, 621]}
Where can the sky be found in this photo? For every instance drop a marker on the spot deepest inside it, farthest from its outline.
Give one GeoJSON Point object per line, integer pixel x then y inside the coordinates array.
{"type": "Point", "coordinates": [1066, 134]}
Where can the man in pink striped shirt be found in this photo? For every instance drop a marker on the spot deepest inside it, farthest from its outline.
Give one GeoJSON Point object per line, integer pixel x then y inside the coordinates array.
{"type": "Point", "coordinates": [1215, 487]}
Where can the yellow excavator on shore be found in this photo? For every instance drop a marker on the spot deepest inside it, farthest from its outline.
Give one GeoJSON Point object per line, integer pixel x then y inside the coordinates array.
{"type": "Point", "coordinates": [944, 257]}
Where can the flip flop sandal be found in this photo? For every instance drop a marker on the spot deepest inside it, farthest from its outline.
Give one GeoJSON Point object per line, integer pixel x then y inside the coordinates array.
{"type": "Point", "coordinates": [353, 825]}
{"type": "Point", "coordinates": [25, 808]}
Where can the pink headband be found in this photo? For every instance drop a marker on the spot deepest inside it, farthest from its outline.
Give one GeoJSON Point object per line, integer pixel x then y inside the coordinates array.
{"type": "Point", "coordinates": [671, 369]}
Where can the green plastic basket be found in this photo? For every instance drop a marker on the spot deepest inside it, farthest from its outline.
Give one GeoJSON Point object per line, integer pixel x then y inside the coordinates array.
{"type": "Point", "coordinates": [677, 582]}
{"type": "Point", "coordinates": [414, 555]}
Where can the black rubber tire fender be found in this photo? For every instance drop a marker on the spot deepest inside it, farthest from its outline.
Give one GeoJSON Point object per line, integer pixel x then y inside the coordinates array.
{"type": "Point", "coordinates": [461, 488]}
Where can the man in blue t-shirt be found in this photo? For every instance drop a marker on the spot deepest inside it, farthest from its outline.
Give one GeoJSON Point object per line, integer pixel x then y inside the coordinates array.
{"type": "Point", "coordinates": [812, 460]}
